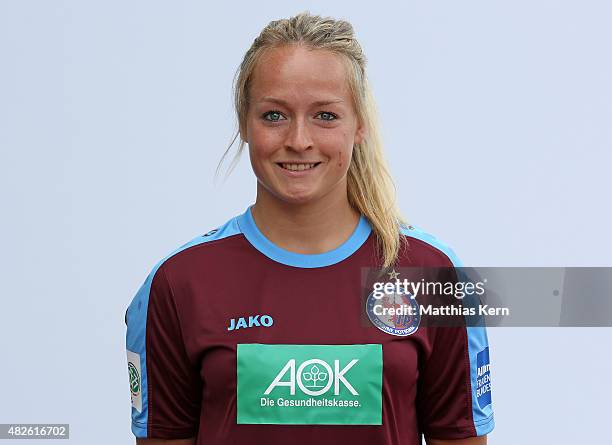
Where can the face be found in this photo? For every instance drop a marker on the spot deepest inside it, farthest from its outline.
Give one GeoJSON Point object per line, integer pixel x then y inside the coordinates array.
{"type": "Point", "coordinates": [301, 124]}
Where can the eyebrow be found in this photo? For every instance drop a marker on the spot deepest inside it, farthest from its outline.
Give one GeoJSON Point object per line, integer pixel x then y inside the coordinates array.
{"type": "Point", "coordinates": [317, 103]}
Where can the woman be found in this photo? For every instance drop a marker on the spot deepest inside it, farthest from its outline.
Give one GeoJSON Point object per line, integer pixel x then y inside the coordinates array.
{"type": "Point", "coordinates": [254, 333]}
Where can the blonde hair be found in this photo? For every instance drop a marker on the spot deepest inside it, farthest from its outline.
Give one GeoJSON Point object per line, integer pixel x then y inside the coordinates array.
{"type": "Point", "coordinates": [370, 187]}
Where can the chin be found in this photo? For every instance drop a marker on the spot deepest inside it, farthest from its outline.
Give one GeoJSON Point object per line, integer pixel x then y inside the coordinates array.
{"type": "Point", "coordinates": [302, 197]}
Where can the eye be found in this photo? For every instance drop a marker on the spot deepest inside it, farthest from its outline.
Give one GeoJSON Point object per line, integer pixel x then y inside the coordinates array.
{"type": "Point", "coordinates": [274, 114]}
{"type": "Point", "coordinates": [328, 116]}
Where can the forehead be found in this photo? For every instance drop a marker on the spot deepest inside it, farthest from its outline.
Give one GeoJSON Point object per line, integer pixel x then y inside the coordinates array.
{"type": "Point", "coordinates": [299, 73]}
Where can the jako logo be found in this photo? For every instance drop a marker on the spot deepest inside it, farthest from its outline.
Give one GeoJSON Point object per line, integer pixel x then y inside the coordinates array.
{"type": "Point", "coordinates": [314, 377]}
{"type": "Point", "coordinates": [253, 321]}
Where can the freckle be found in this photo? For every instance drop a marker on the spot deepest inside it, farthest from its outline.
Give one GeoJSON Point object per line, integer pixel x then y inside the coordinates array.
{"type": "Point", "coordinates": [340, 159]}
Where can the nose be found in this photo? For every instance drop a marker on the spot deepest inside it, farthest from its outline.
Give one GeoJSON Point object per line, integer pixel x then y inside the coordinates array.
{"type": "Point", "coordinates": [298, 136]}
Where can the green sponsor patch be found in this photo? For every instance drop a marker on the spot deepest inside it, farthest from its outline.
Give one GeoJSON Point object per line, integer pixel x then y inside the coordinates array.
{"type": "Point", "coordinates": [309, 384]}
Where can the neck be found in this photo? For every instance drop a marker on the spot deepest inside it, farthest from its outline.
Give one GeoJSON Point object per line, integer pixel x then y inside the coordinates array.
{"type": "Point", "coordinates": [306, 228]}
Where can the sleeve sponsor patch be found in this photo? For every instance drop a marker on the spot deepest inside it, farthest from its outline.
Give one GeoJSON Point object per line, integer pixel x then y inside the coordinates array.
{"type": "Point", "coordinates": [135, 379]}
{"type": "Point", "coordinates": [483, 382]}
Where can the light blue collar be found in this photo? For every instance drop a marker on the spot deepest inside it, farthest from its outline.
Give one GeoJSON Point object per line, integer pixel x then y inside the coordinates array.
{"type": "Point", "coordinates": [268, 248]}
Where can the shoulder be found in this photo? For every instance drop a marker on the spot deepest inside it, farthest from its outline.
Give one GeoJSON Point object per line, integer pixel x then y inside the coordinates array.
{"type": "Point", "coordinates": [192, 257]}
{"type": "Point", "coordinates": [427, 245]}
{"type": "Point", "coordinates": [208, 244]}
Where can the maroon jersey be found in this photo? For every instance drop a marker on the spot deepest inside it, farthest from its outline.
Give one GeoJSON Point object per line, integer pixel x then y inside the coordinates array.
{"type": "Point", "coordinates": [237, 341]}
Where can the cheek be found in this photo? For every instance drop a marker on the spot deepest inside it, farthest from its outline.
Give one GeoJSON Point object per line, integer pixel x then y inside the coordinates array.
{"type": "Point", "coordinates": [344, 159]}
{"type": "Point", "coordinates": [260, 155]}
{"type": "Point", "coordinates": [339, 150]}
{"type": "Point", "coordinates": [261, 142]}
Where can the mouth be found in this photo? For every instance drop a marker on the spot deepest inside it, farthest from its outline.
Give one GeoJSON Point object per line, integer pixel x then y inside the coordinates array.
{"type": "Point", "coordinates": [297, 166]}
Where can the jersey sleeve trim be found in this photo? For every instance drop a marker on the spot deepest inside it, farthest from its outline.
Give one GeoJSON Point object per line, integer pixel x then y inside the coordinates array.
{"type": "Point", "coordinates": [136, 320]}
{"type": "Point", "coordinates": [163, 432]}
{"type": "Point", "coordinates": [478, 344]}
{"type": "Point", "coordinates": [455, 433]}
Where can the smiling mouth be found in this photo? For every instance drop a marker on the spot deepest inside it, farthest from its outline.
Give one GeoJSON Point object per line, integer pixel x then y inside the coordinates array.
{"type": "Point", "coordinates": [298, 167]}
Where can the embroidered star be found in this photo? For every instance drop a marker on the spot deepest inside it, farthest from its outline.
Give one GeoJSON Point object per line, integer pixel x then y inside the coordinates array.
{"type": "Point", "coordinates": [393, 275]}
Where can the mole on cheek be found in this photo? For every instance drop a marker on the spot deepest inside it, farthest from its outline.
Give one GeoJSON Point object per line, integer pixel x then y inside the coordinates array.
{"type": "Point", "coordinates": [340, 159]}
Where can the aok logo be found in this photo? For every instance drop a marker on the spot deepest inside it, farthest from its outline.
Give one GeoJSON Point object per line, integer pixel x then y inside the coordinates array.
{"type": "Point", "coordinates": [313, 377]}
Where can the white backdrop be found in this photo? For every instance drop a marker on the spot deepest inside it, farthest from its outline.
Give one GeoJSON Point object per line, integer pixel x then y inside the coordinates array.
{"type": "Point", "coordinates": [113, 116]}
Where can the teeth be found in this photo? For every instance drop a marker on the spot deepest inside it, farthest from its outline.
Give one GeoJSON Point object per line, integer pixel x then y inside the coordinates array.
{"type": "Point", "coordinates": [298, 167]}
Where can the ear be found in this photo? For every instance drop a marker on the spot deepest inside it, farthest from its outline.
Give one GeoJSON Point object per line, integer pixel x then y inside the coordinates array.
{"type": "Point", "coordinates": [243, 132]}
{"type": "Point", "coordinates": [360, 132]}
